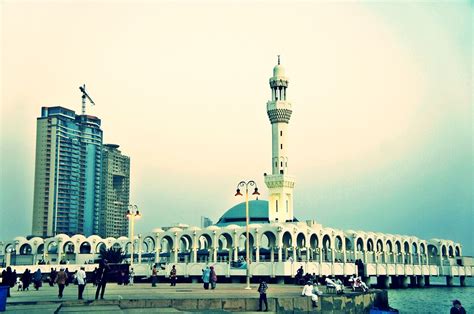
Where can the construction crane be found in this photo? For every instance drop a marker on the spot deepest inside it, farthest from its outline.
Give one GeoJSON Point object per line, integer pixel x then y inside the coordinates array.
{"type": "Point", "coordinates": [84, 96]}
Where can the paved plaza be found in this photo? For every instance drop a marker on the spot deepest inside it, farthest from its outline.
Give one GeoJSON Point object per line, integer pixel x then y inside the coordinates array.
{"type": "Point", "coordinates": [46, 301]}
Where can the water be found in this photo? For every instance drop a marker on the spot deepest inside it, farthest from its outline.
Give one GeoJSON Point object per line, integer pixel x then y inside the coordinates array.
{"type": "Point", "coordinates": [434, 299]}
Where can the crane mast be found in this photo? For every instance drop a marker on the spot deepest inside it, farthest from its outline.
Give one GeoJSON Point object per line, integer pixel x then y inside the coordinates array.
{"type": "Point", "coordinates": [84, 96]}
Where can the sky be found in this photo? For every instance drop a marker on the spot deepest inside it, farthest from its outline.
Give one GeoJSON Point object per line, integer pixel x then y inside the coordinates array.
{"type": "Point", "coordinates": [381, 135]}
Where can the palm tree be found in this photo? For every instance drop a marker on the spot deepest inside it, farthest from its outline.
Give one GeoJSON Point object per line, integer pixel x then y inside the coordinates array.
{"type": "Point", "coordinates": [112, 255]}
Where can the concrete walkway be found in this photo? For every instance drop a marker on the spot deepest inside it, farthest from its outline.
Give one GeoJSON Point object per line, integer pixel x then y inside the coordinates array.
{"type": "Point", "coordinates": [45, 300]}
{"type": "Point", "coordinates": [183, 298]}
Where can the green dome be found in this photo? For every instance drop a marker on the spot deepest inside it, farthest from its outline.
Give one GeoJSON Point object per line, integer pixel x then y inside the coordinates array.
{"type": "Point", "coordinates": [258, 213]}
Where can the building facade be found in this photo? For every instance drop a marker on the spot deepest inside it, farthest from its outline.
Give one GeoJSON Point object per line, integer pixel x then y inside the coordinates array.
{"type": "Point", "coordinates": [115, 192]}
{"type": "Point", "coordinates": [67, 173]}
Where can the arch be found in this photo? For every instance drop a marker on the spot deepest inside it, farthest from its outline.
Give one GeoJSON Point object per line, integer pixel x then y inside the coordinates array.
{"type": "Point", "coordinates": [117, 246]}
{"type": "Point", "coordinates": [414, 248]}
{"type": "Point", "coordinates": [204, 241]}
{"type": "Point", "coordinates": [360, 245]}
{"type": "Point", "coordinates": [379, 246]}
{"type": "Point", "coordinates": [166, 243]}
{"type": "Point", "coordinates": [185, 243]}
{"type": "Point", "coordinates": [457, 251]}
{"type": "Point", "coordinates": [85, 248]}
{"type": "Point", "coordinates": [268, 239]}
{"type": "Point", "coordinates": [301, 240]}
{"type": "Point", "coordinates": [52, 247]}
{"type": "Point", "coordinates": [338, 243]}
{"type": "Point", "coordinates": [101, 246]}
{"type": "Point", "coordinates": [40, 249]}
{"type": "Point", "coordinates": [451, 251]}
{"type": "Point", "coordinates": [370, 245]}
{"type": "Point", "coordinates": [349, 244]}
{"type": "Point", "coordinates": [398, 247]}
{"type": "Point", "coordinates": [389, 246]}
{"type": "Point", "coordinates": [149, 242]}
{"type": "Point", "coordinates": [287, 240]}
{"type": "Point", "coordinates": [69, 247]}
{"type": "Point", "coordinates": [406, 247]}
{"type": "Point", "coordinates": [444, 251]}
{"type": "Point", "coordinates": [422, 248]}
{"type": "Point", "coordinates": [432, 250]}
{"type": "Point", "coordinates": [243, 239]}
{"type": "Point", "coordinates": [225, 241]}
{"type": "Point", "coordinates": [25, 249]}
{"type": "Point", "coordinates": [327, 254]}
{"type": "Point", "coordinates": [314, 241]}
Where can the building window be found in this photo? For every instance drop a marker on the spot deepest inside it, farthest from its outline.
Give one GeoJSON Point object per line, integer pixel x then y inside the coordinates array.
{"type": "Point", "coordinates": [281, 133]}
{"type": "Point", "coordinates": [281, 163]}
{"type": "Point", "coordinates": [286, 205]}
{"type": "Point", "coordinates": [276, 205]}
{"type": "Point", "coordinates": [281, 146]}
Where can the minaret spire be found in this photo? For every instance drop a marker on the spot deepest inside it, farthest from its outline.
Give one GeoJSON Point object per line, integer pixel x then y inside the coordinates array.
{"type": "Point", "coordinates": [280, 184]}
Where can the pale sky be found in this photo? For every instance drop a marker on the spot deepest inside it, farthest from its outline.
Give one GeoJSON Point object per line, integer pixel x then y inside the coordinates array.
{"type": "Point", "coordinates": [381, 133]}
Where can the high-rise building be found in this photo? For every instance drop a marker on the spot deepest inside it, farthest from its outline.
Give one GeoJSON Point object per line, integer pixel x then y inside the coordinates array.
{"type": "Point", "coordinates": [67, 173]}
{"type": "Point", "coordinates": [280, 184]}
{"type": "Point", "coordinates": [115, 192]}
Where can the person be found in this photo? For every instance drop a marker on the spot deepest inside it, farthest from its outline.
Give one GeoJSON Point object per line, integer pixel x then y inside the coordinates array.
{"type": "Point", "coordinates": [61, 280]}
{"type": "Point", "coordinates": [457, 308]}
{"type": "Point", "coordinates": [37, 279]}
{"type": "Point", "coordinates": [206, 274]}
{"type": "Point", "coordinates": [299, 275]}
{"type": "Point", "coordinates": [52, 277]}
{"type": "Point", "coordinates": [308, 291]}
{"type": "Point", "coordinates": [8, 279]}
{"type": "Point", "coordinates": [213, 277]}
{"type": "Point", "coordinates": [68, 276]}
{"type": "Point", "coordinates": [333, 284]}
{"type": "Point", "coordinates": [94, 276]}
{"type": "Point", "coordinates": [131, 277]}
{"type": "Point", "coordinates": [173, 275]}
{"type": "Point", "coordinates": [154, 276]}
{"type": "Point", "coordinates": [102, 277]}
{"type": "Point", "coordinates": [360, 284]}
{"type": "Point", "coordinates": [262, 290]}
{"type": "Point", "coordinates": [81, 282]}
{"type": "Point", "coordinates": [26, 279]}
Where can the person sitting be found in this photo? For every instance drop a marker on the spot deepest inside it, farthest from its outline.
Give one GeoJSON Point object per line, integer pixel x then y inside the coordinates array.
{"type": "Point", "coordinates": [362, 284]}
{"type": "Point", "coordinates": [332, 284]}
{"type": "Point", "coordinates": [310, 290]}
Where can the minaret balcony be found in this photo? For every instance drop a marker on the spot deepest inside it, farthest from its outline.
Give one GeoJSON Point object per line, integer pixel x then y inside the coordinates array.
{"type": "Point", "coordinates": [279, 181]}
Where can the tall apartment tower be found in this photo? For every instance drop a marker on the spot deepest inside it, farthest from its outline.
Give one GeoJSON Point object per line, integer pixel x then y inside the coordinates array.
{"type": "Point", "coordinates": [67, 173]}
{"type": "Point", "coordinates": [115, 192]}
{"type": "Point", "coordinates": [280, 185]}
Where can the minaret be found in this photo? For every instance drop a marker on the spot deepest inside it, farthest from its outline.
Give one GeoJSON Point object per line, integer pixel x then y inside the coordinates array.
{"type": "Point", "coordinates": [280, 184]}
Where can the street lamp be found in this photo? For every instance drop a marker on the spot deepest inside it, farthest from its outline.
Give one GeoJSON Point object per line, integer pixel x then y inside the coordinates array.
{"type": "Point", "coordinates": [132, 213]}
{"type": "Point", "coordinates": [255, 192]}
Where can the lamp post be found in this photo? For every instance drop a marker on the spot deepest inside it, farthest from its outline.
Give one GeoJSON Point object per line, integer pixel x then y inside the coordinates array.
{"type": "Point", "coordinates": [255, 192]}
{"type": "Point", "coordinates": [132, 213]}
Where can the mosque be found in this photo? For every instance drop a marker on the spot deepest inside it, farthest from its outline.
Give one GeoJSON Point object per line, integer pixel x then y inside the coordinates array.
{"type": "Point", "coordinates": [280, 244]}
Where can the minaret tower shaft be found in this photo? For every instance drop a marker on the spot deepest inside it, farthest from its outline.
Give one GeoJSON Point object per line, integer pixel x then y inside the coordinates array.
{"type": "Point", "coordinates": [280, 184]}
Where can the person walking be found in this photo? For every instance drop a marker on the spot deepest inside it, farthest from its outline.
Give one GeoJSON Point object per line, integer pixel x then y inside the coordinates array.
{"type": "Point", "coordinates": [52, 277]}
{"type": "Point", "coordinates": [102, 277]}
{"type": "Point", "coordinates": [173, 276]}
{"type": "Point", "coordinates": [37, 279]}
{"type": "Point", "coordinates": [154, 276]}
{"type": "Point", "coordinates": [61, 279]}
{"type": "Point", "coordinates": [213, 278]}
{"type": "Point", "coordinates": [206, 274]}
{"type": "Point", "coordinates": [262, 290]}
{"type": "Point", "coordinates": [26, 279]}
{"type": "Point", "coordinates": [81, 282]}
